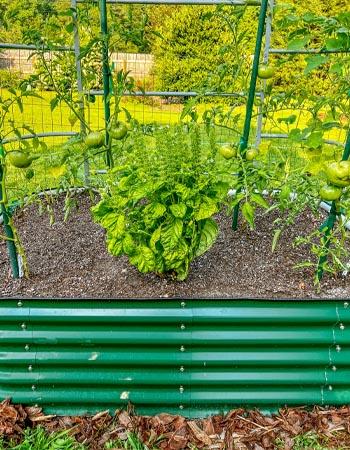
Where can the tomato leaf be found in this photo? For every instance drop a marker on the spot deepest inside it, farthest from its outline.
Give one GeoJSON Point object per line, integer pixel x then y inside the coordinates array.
{"type": "Point", "coordinates": [313, 62]}
{"type": "Point", "coordinates": [248, 214]}
{"type": "Point", "coordinates": [299, 43]}
{"type": "Point", "coordinates": [275, 239]}
{"type": "Point", "coordinates": [259, 200]}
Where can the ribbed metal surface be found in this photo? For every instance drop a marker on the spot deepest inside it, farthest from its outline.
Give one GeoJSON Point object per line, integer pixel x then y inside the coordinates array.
{"type": "Point", "coordinates": [195, 357]}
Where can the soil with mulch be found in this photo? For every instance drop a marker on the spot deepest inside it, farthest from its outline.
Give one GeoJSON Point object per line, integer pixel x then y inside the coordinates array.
{"type": "Point", "coordinates": [70, 260]}
{"type": "Point", "coordinates": [239, 429]}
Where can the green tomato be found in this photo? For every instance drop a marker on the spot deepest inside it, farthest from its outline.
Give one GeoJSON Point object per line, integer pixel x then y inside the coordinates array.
{"type": "Point", "coordinates": [21, 159]}
{"type": "Point", "coordinates": [338, 173]}
{"type": "Point", "coordinates": [117, 130]}
{"type": "Point", "coordinates": [29, 173]}
{"type": "Point", "coordinates": [330, 193]}
{"type": "Point", "coordinates": [265, 71]}
{"type": "Point", "coordinates": [228, 151]}
{"type": "Point", "coordinates": [251, 154]}
{"type": "Point", "coordinates": [95, 139]}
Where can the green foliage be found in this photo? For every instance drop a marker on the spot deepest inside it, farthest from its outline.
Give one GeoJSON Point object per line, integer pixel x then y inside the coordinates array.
{"type": "Point", "coordinates": [9, 80]}
{"type": "Point", "coordinates": [161, 199]}
{"type": "Point", "coordinates": [39, 439]}
{"type": "Point", "coordinates": [192, 52]}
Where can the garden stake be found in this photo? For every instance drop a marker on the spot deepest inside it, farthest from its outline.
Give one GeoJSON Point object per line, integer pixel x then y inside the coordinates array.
{"type": "Point", "coordinates": [6, 216]}
{"type": "Point", "coordinates": [328, 225]}
{"type": "Point", "coordinates": [105, 69]}
{"type": "Point", "coordinates": [251, 95]}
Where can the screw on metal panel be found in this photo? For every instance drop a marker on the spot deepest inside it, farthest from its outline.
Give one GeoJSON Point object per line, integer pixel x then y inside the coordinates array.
{"type": "Point", "coordinates": [334, 368]}
{"type": "Point", "coordinates": [33, 387]}
{"type": "Point", "coordinates": [183, 304]}
{"type": "Point", "coordinates": [346, 304]}
{"type": "Point", "coordinates": [20, 304]}
{"type": "Point", "coordinates": [338, 348]}
{"type": "Point", "coordinates": [27, 347]}
{"type": "Point", "coordinates": [182, 369]}
{"type": "Point", "coordinates": [24, 326]}
{"type": "Point", "coordinates": [30, 368]}
{"type": "Point", "coordinates": [181, 407]}
{"type": "Point", "coordinates": [342, 326]}
{"type": "Point", "coordinates": [181, 389]}
{"type": "Point", "coordinates": [182, 348]}
{"type": "Point", "coordinates": [183, 326]}
{"type": "Point", "coordinates": [330, 388]}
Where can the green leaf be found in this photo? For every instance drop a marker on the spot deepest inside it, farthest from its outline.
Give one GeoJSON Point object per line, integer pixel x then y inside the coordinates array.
{"type": "Point", "coordinates": [208, 233]}
{"type": "Point", "coordinates": [171, 234]}
{"type": "Point", "coordinates": [177, 256]}
{"type": "Point", "coordinates": [129, 245]}
{"type": "Point", "coordinates": [153, 211]}
{"type": "Point", "coordinates": [114, 223]}
{"type": "Point", "coordinates": [295, 135]}
{"type": "Point", "coordinates": [143, 258]}
{"type": "Point", "coordinates": [54, 103]}
{"type": "Point", "coordinates": [188, 107]}
{"type": "Point", "coordinates": [299, 43]}
{"type": "Point", "coordinates": [335, 43]}
{"type": "Point", "coordinates": [178, 210]}
{"type": "Point", "coordinates": [275, 239]}
{"type": "Point", "coordinates": [313, 62]}
{"type": "Point", "coordinates": [115, 246]}
{"type": "Point", "coordinates": [259, 200]}
{"type": "Point", "coordinates": [289, 120]}
{"type": "Point", "coordinates": [248, 214]}
{"type": "Point", "coordinates": [314, 140]}
{"type": "Point", "coordinates": [206, 208]}
{"type": "Point", "coordinates": [183, 191]}
{"type": "Point", "coordinates": [155, 238]}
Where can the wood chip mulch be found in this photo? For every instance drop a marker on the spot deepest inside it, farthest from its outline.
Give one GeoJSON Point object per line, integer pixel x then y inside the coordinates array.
{"type": "Point", "coordinates": [240, 429]}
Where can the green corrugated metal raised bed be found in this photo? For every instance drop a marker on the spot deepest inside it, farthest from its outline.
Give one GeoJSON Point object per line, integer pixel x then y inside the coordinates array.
{"type": "Point", "coordinates": [195, 357]}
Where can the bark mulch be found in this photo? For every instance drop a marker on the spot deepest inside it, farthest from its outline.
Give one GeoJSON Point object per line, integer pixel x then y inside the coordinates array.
{"type": "Point", "coordinates": [240, 429]}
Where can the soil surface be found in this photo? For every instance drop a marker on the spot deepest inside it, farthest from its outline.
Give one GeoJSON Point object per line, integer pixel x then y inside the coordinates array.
{"type": "Point", "coordinates": [70, 260]}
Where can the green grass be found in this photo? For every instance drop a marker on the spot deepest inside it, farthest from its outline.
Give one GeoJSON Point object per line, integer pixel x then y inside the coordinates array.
{"type": "Point", "coordinates": [41, 439]}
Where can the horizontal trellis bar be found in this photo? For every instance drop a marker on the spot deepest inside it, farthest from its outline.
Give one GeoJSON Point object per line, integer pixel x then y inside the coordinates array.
{"type": "Point", "coordinates": [185, 2]}
{"type": "Point", "coordinates": [192, 356]}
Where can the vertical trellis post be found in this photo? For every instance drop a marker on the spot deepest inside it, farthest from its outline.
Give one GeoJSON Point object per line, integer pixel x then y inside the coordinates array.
{"type": "Point", "coordinates": [251, 94]}
{"type": "Point", "coordinates": [6, 217]}
{"type": "Point", "coordinates": [80, 82]}
{"type": "Point", "coordinates": [105, 67]}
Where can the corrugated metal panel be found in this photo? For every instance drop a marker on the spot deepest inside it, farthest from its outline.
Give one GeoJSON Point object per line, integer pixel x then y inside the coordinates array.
{"type": "Point", "coordinates": [195, 357]}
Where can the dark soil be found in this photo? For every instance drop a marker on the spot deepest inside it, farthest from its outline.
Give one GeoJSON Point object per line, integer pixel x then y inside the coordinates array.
{"type": "Point", "coordinates": [70, 260]}
{"type": "Point", "coordinates": [322, 428]}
